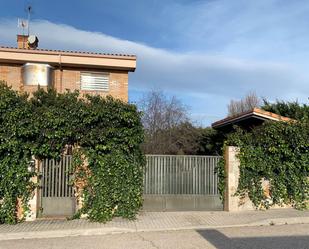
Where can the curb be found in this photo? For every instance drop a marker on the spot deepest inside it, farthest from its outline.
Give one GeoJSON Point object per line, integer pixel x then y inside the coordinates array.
{"type": "Point", "coordinates": [116, 230]}
{"type": "Point", "coordinates": [62, 233]}
{"type": "Point", "coordinates": [281, 221]}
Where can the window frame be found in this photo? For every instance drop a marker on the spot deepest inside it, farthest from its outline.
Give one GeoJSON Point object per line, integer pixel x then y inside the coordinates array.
{"type": "Point", "coordinates": [92, 88]}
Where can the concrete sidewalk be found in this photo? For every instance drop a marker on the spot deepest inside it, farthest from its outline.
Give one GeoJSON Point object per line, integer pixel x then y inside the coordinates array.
{"type": "Point", "coordinates": [152, 221]}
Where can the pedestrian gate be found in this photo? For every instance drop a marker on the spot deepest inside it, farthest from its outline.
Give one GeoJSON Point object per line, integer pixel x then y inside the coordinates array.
{"type": "Point", "coordinates": [57, 195]}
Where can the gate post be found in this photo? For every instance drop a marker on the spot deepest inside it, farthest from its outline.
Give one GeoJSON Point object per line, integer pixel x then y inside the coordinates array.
{"type": "Point", "coordinates": [33, 202]}
{"type": "Point", "coordinates": [232, 164]}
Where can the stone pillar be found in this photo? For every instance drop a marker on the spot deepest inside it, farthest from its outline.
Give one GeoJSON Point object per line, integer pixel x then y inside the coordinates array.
{"type": "Point", "coordinates": [232, 202]}
{"type": "Point", "coordinates": [33, 202]}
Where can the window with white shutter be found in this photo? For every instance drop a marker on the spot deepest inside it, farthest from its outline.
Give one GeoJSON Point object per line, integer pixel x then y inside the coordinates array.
{"type": "Point", "coordinates": [94, 81]}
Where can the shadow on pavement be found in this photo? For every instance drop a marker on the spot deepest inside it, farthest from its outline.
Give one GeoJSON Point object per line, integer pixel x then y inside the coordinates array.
{"type": "Point", "coordinates": [221, 241]}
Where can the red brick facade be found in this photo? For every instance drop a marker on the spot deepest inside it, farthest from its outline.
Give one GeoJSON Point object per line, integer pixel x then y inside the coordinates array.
{"type": "Point", "coordinates": [118, 80]}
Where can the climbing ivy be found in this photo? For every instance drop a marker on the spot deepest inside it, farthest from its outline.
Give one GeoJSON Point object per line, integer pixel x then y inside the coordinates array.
{"type": "Point", "coordinates": [105, 135]}
{"type": "Point", "coordinates": [277, 152]}
{"type": "Point", "coordinates": [15, 153]}
{"type": "Point", "coordinates": [112, 149]}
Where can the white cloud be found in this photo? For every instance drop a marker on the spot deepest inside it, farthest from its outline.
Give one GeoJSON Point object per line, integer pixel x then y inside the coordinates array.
{"type": "Point", "coordinates": [207, 77]}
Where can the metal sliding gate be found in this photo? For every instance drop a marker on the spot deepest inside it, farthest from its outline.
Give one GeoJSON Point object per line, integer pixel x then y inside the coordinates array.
{"type": "Point", "coordinates": [57, 195]}
{"type": "Point", "coordinates": [175, 183]}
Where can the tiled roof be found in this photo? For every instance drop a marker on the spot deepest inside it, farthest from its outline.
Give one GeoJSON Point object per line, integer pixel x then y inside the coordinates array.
{"type": "Point", "coordinates": [78, 53]}
{"type": "Point", "coordinates": [255, 112]}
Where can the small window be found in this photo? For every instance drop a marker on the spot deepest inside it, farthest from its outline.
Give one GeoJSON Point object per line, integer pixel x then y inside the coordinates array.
{"type": "Point", "coordinates": [93, 81]}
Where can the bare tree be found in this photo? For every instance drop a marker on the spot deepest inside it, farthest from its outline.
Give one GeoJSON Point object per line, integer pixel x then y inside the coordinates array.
{"type": "Point", "coordinates": [167, 126]}
{"type": "Point", "coordinates": [250, 101]}
{"type": "Point", "coordinates": [161, 112]}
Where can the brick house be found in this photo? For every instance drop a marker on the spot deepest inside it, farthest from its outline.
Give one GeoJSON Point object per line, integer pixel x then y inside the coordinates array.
{"type": "Point", "coordinates": [26, 67]}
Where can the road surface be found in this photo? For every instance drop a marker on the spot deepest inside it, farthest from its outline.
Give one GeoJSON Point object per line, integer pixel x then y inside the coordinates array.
{"type": "Point", "coordinates": [261, 237]}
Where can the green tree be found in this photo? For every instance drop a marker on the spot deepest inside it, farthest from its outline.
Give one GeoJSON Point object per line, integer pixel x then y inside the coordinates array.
{"type": "Point", "coordinates": [293, 110]}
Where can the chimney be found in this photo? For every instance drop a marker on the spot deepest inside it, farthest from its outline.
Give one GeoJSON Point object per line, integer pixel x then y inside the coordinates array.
{"type": "Point", "coordinates": [22, 41]}
{"type": "Point", "coordinates": [27, 42]}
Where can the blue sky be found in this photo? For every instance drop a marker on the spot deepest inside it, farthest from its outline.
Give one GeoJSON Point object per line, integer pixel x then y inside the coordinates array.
{"type": "Point", "coordinates": [204, 52]}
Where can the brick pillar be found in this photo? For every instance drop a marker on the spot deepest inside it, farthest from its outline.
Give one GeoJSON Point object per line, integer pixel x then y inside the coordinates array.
{"type": "Point", "coordinates": [232, 202]}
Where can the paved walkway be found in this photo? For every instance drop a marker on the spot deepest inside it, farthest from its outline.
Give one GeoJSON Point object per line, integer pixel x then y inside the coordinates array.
{"type": "Point", "coordinates": [153, 221]}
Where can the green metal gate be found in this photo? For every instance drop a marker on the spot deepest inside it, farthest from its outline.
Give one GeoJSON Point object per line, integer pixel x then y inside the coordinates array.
{"type": "Point", "coordinates": [57, 195]}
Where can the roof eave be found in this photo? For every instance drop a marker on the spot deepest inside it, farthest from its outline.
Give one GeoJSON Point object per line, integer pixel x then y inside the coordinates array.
{"type": "Point", "coordinates": [20, 56]}
{"type": "Point", "coordinates": [256, 113]}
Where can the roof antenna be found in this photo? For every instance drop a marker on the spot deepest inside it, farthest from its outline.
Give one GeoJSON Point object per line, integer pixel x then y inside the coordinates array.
{"type": "Point", "coordinates": [29, 10]}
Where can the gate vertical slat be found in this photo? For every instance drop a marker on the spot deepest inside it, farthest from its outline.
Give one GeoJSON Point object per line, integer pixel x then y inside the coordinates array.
{"type": "Point", "coordinates": [153, 168]}
{"type": "Point", "coordinates": [43, 178]}
{"type": "Point", "coordinates": [66, 178]}
{"type": "Point", "coordinates": [59, 177]}
{"type": "Point", "coordinates": [213, 175]}
{"type": "Point", "coordinates": [160, 175]}
{"type": "Point", "coordinates": [145, 177]}
{"type": "Point", "coordinates": [163, 174]}
{"type": "Point", "coordinates": [155, 175]}
{"type": "Point", "coordinates": [205, 176]}
{"type": "Point", "coordinates": [209, 176]}
{"type": "Point", "coordinates": [149, 174]}
{"type": "Point", "coordinates": [188, 175]}
{"type": "Point", "coordinates": [63, 176]}
{"type": "Point", "coordinates": [65, 172]}
{"type": "Point", "coordinates": [161, 166]}
{"type": "Point", "coordinates": [148, 168]}
{"type": "Point", "coordinates": [177, 176]}
{"type": "Point", "coordinates": [54, 178]}
{"type": "Point", "coordinates": [69, 179]}
{"type": "Point", "coordinates": [49, 178]}
{"type": "Point", "coordinates": [216, 178]}
{"type": "Point", "coordinates": [151, 182]}
{"type": "Point", "coordinates": [181, 174]}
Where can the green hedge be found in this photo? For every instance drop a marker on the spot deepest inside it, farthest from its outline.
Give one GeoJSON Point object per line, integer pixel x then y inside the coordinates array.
{"type": "Point", "coordinates": [107, 131]}
{"type": "Point", "coordinates": [277, 152]}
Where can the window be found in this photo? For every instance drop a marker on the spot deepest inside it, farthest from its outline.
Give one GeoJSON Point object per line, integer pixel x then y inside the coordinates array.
{"type": "Point", "coordinates": [94, 81]}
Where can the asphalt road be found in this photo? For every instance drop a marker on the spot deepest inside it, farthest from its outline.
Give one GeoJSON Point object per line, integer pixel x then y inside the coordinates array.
{"type": "Point", "coordinates": [261, 237]}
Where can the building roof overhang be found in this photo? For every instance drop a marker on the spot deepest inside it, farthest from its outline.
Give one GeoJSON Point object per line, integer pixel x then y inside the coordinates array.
{"type": "Point", "coordinates": [255, 116]}
{"type": "Point", "coordinates": [68, 58]}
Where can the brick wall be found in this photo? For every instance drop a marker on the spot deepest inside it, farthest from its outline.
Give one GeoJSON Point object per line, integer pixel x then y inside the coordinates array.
{"type": "Point", "coordinates": [118, 81]}
{"type": "Point", "coordinates": [12, 75]}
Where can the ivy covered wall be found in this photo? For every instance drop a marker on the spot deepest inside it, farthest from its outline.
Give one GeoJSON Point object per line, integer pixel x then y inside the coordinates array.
{"type": "Point", "coordinates": [277, 152]}
{"type": "Point", "coordinates": [106, 134]}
